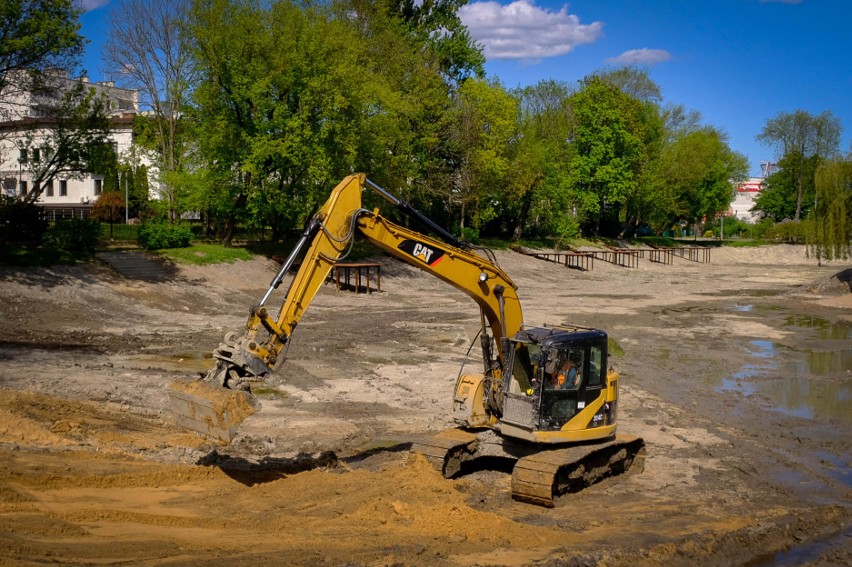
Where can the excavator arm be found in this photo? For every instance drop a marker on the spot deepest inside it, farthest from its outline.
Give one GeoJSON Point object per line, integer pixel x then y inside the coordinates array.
{"type": "Point", "coordinates": [328, 237]}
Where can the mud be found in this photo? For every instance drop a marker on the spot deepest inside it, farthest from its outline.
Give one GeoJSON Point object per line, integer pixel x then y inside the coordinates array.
{"type": "Point", "coordinates": [93, 470]}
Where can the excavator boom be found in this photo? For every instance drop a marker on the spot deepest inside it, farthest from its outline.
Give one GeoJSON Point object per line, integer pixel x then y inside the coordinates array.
{"type": "Point", "coordinates": [242, 360]}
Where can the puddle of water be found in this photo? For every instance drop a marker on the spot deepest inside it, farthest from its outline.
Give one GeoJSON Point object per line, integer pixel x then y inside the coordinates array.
{"type": "Point", "coordinates": [763, 349]}
{"type": "Point", "coordinates": [805, 553]}
{"type": "Point", "coordinates": [792, 388]}
{"type": "Point", "coordinates": [826, 362]}
{"type": "Point", "coordinates": [841, 330]}
{"type": "Point", "coordinates": [837, 467]}
{"type": "Point", "coordinates": [746, 293]}
{"type": "Point", "coordinates": [810, 399]}
{"type": "Point", "coordinates": [736, 385]}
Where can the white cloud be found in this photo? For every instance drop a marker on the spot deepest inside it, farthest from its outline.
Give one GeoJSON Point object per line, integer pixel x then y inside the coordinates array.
{"type": "Point", "coordinates": [522, 30]}
{"type": "Point", "coordinates": [642, 56]}
{"type": "Point", "coordinates": [89, 5]}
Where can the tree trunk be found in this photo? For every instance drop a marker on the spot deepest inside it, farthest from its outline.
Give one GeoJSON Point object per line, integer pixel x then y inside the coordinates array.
{"type": "Point", "coordinates": [230, 230]}
{"type": "Point", "coordinates": [231, 222]}
{"type": "Point", "coordinates": [526, 205]}
{"type": "Point", "coordinates": [799, 192]}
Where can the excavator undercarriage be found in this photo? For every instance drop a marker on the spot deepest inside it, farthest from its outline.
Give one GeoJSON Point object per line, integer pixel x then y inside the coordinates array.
{"type": "Point", "coordinates": [540, 474]}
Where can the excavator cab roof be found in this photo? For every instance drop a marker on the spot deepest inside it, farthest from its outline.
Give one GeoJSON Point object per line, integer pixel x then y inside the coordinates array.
{"type": "Point", "coordinates": [560, 335]}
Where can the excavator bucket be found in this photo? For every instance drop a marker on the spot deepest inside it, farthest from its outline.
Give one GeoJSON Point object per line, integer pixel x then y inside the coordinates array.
{"type": "Point", "coordinates": [210, 410]}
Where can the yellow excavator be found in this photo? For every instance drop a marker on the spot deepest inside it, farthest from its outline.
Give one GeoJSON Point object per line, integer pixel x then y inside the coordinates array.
{"type": "Point", "coordinates": [544, 401]}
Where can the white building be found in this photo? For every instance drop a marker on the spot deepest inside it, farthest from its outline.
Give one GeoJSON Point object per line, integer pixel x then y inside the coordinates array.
{"type": "Point", "coordinates": [27, 113]}
{"type": "Point", "coordinates": [747, 191]}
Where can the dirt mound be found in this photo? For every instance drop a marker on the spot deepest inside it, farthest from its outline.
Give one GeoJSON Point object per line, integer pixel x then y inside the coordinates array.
{"type": "Point", "coordinates": [837, 284]}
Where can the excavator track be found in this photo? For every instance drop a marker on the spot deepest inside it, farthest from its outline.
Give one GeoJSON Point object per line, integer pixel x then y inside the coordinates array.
{"type": "Point", "coordinates": [540, 475]}
{"type": "Point", "coordinates": [448, 450]}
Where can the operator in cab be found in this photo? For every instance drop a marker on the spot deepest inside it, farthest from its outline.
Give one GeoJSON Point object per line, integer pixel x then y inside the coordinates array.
{"type": "Point", "coordinates": [567, 377]}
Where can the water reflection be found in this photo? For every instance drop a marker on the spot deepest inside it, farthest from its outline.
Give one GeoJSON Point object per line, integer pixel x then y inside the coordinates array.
{"type": "Point", "coordinates": [826, 362]}
{"type": "Point", "coordinates": [763, 349]}
{"type": "Point", "coordinates": [809, 398]}
{"type": "Point", "coordinates": [791, 387]}
{"type": "Point", "coordinates": [828, 331]}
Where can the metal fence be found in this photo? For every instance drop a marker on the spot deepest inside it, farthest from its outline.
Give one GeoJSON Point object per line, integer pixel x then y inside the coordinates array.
{"type": "Point", "coordinates": [119, 231]}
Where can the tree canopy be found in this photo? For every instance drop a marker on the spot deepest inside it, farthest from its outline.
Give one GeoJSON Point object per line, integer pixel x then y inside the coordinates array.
{"type": "Point", "coordinates": [36, 35]}
{"type": "Point", "coordinates": [283, 98]}
{"type": "Point", "coordinates": [801, 140]}
{"type": "Point", "coordinates": [832, 238]}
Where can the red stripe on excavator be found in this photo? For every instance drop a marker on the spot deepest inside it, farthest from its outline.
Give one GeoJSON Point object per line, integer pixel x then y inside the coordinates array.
{"type": "Point", "coordinates": [441, 257]}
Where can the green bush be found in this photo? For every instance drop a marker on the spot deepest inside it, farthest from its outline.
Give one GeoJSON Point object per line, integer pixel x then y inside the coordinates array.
{"type": "Point", "coordinates": [73, 235]}
{"type": "Point", "coordinates": [792, 232]}
{"type": "Point", "coordinates": [731, 227]}
{"type": "Point", "coordinates": [787, 231]}
{"type": "Point", "coordinates": [469, 234]}
{"type": "Point", "coordinates": [158, 235]}
{"type": "Point", "coordinates": [20, 221]}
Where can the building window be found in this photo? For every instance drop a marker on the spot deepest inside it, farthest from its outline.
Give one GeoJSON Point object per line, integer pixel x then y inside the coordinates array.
{"type": "Point", "coordinates": [48, 189]}
{"type": "Point", "coordinates": [22, 187]}
{"type": "Point", "coordinates": [63, 188]}
{"type": "Point", "coordinates": [98, 186]}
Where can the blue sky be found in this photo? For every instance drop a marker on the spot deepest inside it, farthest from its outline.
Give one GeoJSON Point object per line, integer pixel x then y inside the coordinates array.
{"type": "Point", "coordinates": [737, 62]}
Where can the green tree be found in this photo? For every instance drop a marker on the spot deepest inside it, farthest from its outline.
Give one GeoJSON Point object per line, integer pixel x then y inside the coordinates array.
{"type": "Point", "coordinates": [633, 81]}
{"type": "Point", "coordinates": [537, 179]}
{"type": "Point", "coordinates": [832, 237]}
{"type": "Point", "coordinates": [806, 135]}
{"type": "Point", "coordinates": [146, 49]}
{"type": "Point", "coordinates": [404, 135]}
{"type": "Point", "coordinates": [609, 149]}
{"type": "Point", "coordinates": [649, 122]}
{"type": "Point", "coordinates": [485, 119]}
{"type": "Point", "coordinates": [780, 198]}
{"type": "Point", "coordinates": [36, 36]}
{"type": "Point", "coordinates": [436, 24]}
{"type": "Point", "coordinates": [695, 173]}
{"type": "Point", "coordinates": [280, 104]}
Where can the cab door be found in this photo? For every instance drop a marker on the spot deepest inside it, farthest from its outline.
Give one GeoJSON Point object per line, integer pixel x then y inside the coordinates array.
{"type": "Point", "coordinates": [573, 379]}
{"type": "Point", "coordinates": [561, 386]}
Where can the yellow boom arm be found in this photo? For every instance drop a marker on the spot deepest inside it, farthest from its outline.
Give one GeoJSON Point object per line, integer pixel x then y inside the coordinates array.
{"type": "Point", "coordinates": [329, 234]}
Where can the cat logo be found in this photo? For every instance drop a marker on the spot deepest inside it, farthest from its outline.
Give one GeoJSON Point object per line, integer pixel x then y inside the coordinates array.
{"type": "Point", "coordinates": [421, 251]}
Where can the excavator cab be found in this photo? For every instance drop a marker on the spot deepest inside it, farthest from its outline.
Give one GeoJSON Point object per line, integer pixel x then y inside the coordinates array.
{"type": "Point", "coordinates": [559, 387]}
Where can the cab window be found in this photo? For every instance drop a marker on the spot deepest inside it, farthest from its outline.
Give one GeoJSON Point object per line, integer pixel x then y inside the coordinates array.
{"type": "Point", "coordinates": [595, 366]}
{"type": "Point", "coordinates": [525, 364]}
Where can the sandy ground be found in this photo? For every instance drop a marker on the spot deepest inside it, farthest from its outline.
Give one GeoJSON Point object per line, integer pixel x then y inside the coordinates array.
{"type": "Point", "coordinates": [738, 374]}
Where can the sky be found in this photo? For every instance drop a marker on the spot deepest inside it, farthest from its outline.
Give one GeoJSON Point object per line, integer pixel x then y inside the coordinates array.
{"type": "Point", "coordinates": [736, 62]}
